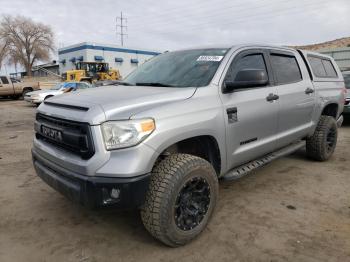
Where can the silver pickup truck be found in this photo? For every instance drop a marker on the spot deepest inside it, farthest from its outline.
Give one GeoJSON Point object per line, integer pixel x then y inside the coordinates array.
{"type": "Point", "coordinates": [161, 139]}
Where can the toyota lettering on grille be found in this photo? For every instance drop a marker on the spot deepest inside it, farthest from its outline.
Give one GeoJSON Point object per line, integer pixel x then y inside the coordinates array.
{"type": "Point", "coordinates": [51, 133]}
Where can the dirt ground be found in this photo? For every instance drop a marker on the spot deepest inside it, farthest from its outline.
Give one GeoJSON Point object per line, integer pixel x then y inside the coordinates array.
{"type": "Point", "coordinates": [291, 210]}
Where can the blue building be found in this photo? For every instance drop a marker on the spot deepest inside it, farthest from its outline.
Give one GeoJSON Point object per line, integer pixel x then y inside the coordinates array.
{"type": "Point", "coordinates": [121, 58]}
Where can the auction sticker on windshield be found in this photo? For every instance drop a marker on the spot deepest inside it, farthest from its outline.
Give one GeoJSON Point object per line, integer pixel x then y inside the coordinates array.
{"type": "Point", "coordinates": [210, 58]}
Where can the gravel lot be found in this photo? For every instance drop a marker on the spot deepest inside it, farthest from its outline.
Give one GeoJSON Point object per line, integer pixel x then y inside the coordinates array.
{"type": "Point", "coordinates": [291, 210]}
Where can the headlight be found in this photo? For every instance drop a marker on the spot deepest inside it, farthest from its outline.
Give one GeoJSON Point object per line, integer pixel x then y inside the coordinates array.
{"type": "Point", "coordinates": [121, 134]}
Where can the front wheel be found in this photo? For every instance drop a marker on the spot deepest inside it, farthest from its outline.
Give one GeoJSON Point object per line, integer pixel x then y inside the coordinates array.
{"type": "Point", "coordinates": [181, 199]}
{"type": "Point", "coordinates": [321, 145]}
{"type": "Point", "coordinates": [25, 91]}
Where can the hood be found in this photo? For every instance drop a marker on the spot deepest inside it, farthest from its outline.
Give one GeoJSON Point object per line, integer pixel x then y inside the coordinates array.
{"type": "Point", "coordinates": [45, 92]}
{"type": "Point", "coordinates": [122, 102]}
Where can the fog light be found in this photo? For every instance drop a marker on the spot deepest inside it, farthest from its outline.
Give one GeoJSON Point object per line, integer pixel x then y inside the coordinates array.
{"type": "Point", "coordinates": [115, 193]}
{"type": "Point", "coordinates": [110, 195]}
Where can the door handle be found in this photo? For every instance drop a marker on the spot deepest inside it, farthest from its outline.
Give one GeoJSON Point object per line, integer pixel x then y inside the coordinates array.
{"type": "Point", "coordinates": [309, 90]}
{"type": "Point", "coordinates": [272, 97]}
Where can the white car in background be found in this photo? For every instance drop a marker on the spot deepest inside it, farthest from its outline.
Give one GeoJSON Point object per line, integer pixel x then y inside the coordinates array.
{"type": "Point", "coordinates": [37, 97]}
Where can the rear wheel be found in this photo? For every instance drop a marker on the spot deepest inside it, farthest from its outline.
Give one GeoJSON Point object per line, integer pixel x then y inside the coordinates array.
{"type": "Point", "coordinates": [181, 199]}
{"type": "Point", "coordinates": [321, 145]}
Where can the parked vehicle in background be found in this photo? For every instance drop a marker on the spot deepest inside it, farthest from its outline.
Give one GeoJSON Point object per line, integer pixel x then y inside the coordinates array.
{"type": "Point", "coordinates": [346, 75]}
{"type": "Point", "coordinates": [106, 82]}
{"type": "Point", "coordinates": [182, 121]}
{"type": "Point", "coordinates": [14, 88]}
{"type": "Point", "coordinates": [91, 72]}
{"type": "Point", "coordinates": [15, 80]}
{"type": "Point", "coordinates": [39, 96]}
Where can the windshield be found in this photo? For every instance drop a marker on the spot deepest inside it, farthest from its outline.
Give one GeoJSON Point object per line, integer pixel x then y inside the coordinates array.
{"type": "Point", "coordinates": [57, 86]}
{"type": "Point", "coordinates": [190, 68]}
{"type": "Point", "coordinates": [347, 81]}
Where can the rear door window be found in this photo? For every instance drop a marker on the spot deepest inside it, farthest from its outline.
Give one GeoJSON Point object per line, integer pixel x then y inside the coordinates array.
{"type": "Point", "coordinates": [285, 69]}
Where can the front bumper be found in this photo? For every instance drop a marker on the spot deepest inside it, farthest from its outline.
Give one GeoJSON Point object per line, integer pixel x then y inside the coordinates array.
{"type": "Point", "coordinates": [36, 100]}
{"type": "Point", "coordinates": [92, 191]}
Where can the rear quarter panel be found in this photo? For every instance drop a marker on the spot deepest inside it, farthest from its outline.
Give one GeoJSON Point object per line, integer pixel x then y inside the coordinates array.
{"type": "Point", "coordinates": [328, 90]}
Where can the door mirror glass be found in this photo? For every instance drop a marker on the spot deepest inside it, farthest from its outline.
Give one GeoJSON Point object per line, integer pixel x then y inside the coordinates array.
{"type": "Point", "coordinates": [247, 78]}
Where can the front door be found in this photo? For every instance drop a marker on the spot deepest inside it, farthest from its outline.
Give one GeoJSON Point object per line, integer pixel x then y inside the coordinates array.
{"type": "Point", "coordinates": [6, 87]}
{"type": "Point", "coordinates": [251, 116]}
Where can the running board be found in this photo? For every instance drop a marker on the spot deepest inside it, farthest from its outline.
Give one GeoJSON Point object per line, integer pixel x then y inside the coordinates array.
{"type": "Point", "coordinates": [245, 169]}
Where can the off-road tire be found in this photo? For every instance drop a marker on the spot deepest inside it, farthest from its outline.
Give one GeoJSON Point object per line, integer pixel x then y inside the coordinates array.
{"type": "Point", "coordinates": [167, 180]}
{"type": "Point", "coordinates": [318, 145]}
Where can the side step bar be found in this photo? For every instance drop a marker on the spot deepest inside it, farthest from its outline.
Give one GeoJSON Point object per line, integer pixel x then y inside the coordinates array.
{"type": "Point", "coordinates": [245, 169]}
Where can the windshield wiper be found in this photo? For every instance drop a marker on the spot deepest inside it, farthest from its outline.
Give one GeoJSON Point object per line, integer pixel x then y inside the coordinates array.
{"type": "Point", "coordinates": [153, 84]}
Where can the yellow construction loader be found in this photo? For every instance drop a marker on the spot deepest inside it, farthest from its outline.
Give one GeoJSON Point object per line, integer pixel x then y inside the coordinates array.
{"type": "Point", "coordinates": [91, 71]}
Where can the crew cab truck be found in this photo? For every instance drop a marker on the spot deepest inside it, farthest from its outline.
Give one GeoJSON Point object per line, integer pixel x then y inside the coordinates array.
{"type": "Point", "coordinates": [16, 89]}
{"type": "Point", "coordinates": [161, 139]}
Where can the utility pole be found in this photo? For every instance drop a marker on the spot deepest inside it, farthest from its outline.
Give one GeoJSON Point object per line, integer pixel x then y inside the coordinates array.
{"type": "Point", "coordinates": [121, 23]}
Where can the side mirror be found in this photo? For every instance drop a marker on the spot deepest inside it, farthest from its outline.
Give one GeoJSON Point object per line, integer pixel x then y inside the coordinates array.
{"type": "Point", "coordinates": [247, 78]}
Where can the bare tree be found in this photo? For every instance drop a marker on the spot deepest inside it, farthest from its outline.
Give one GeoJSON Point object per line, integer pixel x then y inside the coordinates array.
{"type": "Point", "coordinates": [3, 51]}
{"type": "Point", "coordinates": [27, 41]}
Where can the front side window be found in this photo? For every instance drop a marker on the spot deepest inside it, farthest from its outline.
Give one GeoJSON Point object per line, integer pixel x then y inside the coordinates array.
{"type": "Point", "coordinates": [4, 80]}
{"type": "Point", "coordinates": [189, 68]}
{"type": "Point", "coordinates": [248, 62]}
{"type": "Point", "coordinates": [285, 68]}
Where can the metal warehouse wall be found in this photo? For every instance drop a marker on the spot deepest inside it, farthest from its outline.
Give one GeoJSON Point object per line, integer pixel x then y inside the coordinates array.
{"type": "Point", "coordinates": [121, 58]}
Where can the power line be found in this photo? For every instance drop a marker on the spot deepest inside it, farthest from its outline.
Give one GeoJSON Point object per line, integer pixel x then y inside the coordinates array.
{"type": "Point", "coordinates": [188, 12]}
{"type": "Point", "coordinates": [120, 24]}
{"type": "Point", "coordinates": [242, 17]}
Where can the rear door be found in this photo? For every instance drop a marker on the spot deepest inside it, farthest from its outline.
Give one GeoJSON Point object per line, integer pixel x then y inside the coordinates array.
{"type": "Point", "coordinates": [251, 120]}
{"type": "Point", "coordinates": [6, 87]}
{"type": "Point", "coordinates": [296, 96]}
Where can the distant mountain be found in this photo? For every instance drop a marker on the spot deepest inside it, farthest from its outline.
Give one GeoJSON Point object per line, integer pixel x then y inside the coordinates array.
{"type": "Point", "coordinates": [337, 43]}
